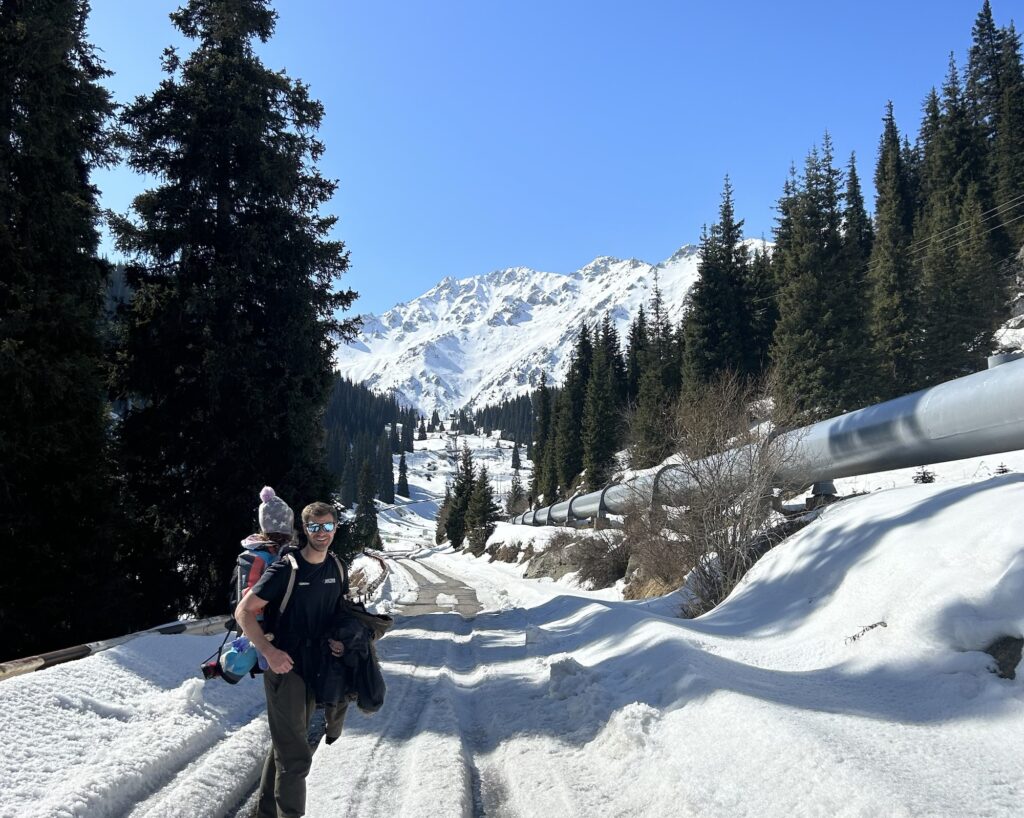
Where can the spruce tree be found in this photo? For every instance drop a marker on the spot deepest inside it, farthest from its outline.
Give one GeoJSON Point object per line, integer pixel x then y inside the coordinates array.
{"type": "Point", "coordinates": [891, 276]}
{"type": "Point", "coordinates": [717, 330]}
{"type": "Point", "coordinates": [850, 296]}
{"type": "Point", "coordinates": [364, 528]}
{"type": "Point", "coordinates": [227, 351]}
{"type": "Point", "coordinates": [764, 313]}
{"type": "Point", "coordinates": [385, 472]}
{"type": "Point", "coordinates": [962, 293]}
{"type": "Point", "coordinates": [79, 584]}
{"type": "Point", "coordinates": [516, 463]}
{"type": "Point", "coordinates": [1008, 140]}
{"type": "Point", "coordinates": [403, 477]}
{"type": "Point", "coordinates": [569, 412]}
{"type": "Point", "coordinates": [422, 433]}
{"type": "Point", "coordinates": [984, 72]}
{"type": "Point", "coordinates": [600, 435]}
{"type": "Point", "coordinates": [481, 513]}
{"type": "Point", "coordinates": [516, 501]}
{"type": "Point", "coordinates": [542, 431]}
{"type": "Point", "coordinates": [816, 309]}
{"type": "Point", "coordinates": [462, 490]}
{"type": "Point", "coordinates": [636, 350]}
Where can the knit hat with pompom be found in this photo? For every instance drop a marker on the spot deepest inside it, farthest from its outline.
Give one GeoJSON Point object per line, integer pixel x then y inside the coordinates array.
{"type": "Point", "coordinates": [275, 515]}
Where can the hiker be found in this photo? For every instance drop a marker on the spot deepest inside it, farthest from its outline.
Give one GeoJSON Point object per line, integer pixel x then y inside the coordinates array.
{"type": "Point", "coordinates": [292, 655]}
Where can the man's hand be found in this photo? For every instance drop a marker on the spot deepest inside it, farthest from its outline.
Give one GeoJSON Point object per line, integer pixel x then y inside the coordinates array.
{"type": "Point", "coordinates": [279, 661]}
{"type": "Point", "coordinates": [337, 648]}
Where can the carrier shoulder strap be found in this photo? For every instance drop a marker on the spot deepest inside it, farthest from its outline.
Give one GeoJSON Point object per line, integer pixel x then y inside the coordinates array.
{"type": "Point", "coordinates": [290, 559]}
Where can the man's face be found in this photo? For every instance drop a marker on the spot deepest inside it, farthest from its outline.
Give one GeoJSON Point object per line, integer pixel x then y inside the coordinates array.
{"type": "Point", "coordinates": [316, 531]}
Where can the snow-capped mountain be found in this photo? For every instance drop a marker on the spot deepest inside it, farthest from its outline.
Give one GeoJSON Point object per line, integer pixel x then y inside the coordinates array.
{"type": "Point", "coordinates": [484, 339]}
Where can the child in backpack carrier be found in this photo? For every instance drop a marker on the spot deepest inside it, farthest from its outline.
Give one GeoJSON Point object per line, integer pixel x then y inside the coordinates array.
{"type": "Point", "coordinates": [259, 551]}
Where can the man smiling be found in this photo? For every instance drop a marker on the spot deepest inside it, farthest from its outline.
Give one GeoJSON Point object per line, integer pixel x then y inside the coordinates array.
{"type": "Point", "coordinates": [300, 594]}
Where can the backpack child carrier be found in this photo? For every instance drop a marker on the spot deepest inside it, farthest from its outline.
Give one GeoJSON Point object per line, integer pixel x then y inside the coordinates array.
{"type": "Point", "coordinates": [236, 659]}
{"type": "Point", "coordinates": [232, 661]}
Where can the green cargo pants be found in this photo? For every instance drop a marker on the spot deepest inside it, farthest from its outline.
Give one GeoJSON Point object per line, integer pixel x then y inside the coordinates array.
{"type": "Point", "coordinates": [290, 707]}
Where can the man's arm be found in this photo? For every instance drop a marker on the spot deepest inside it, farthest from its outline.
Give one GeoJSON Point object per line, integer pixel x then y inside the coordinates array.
{"type": "Point", "coordinates": [245, 615]}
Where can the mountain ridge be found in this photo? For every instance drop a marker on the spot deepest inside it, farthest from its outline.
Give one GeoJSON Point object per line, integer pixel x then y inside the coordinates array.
{"type": "Point", "coordinates": [487, 338]}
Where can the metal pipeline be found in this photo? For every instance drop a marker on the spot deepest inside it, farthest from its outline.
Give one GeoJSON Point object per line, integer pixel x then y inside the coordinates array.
{"type": "Point", "coordinates": [972, 416]}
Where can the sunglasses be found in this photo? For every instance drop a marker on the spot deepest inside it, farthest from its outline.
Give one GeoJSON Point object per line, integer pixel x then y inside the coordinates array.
{"type": "Point", "coordinates": [313, 528]}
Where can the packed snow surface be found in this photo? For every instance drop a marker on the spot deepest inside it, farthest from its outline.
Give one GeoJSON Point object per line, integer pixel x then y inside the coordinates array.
{"type": "Point", "coordinates": [844, 677]}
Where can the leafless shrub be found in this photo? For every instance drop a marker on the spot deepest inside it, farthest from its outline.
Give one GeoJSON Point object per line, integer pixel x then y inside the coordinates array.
{"type": "Point", "coordinates": [711, 507]}
{"type": "Point", "coordinates": [602, 557]}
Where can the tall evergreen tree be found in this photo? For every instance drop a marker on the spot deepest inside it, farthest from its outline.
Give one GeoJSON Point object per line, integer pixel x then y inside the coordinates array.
{"type": "Point", "coordinates": [365, 533]}
{"type": "Point", "coordinates": [54, 121]}
{"type": "Point", "coordinates": [385, 471]}
{"type": "Point", "coordinates": [1008, 141]}
{"type": "Point", "coordinates": [516, 463]}
{"type": "Point", "coordinates": [891, 276]}
{"type": "Point", "coordinates": [600, 433]}
{"type": "Point", "coordinates": [227, 351]}
{"type": "Point", "coordinates": [481, 512]}
{"type": "Point", "coordinates": [516, 501]}
{"type": "Point", "coordinates": [961, 287]}
{"type": "Point", "coordinates": [764, 313]}
{"type": "Point", "coordinates": [569, 411]}
{"type": "Point", "coordinates": [462, 490]}
{"type": "Point", "coordinates": [850, 295]}
{"type": "Point", "coordinates": [717, 329]}
{"type": "Point", "coordinates": [403, 477]}
{"type": "Point", "coordinates": [636, 351]}
{"type": "Point", "coordinates": [984, 72]}
{"type": "Point", "coordinates": [815, 305]}
{"type": "Point", "coordinates": [608, 340]}
{"type": "Point", "coordinates": [542, 432]}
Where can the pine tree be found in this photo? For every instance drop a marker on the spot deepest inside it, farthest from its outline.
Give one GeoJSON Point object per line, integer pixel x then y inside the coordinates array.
{"type": "Point", "coordinates": [600, 437]}
{"type": "Point", "coordinates": [815, 308]}
{"type": "Point", "coordinates": [542, 432]}
{"type": "Point", "coordinates": [516, 463]}
{"type": "Point", "coordinates": [853, 355]}
{"type": "Point", "coordinates": [717, 330]}
{"type": "Point", "coordinates": [608, 341]}
{"type": "Point", "coordinates": [892, 281]}
{"type": "Point", "coordinates": [54, 131]}
{"type": "Point", "coordinates": [481, 513]}
{"type": "Point", "coordinates": [984, 72]}
{"type": "Point", "coordinates": [462, 490]}
{"type": "Point", "coordinates": [636, 350]}
{"type": "Point", "coordinates": [364, 528]}
{"type": "Point", "coordinates": [422, 433]}
{"type": "Point", "coordinates": [1008, 141]}
{"type": "Point", "coordinates": [227, 351]}
{"type": "Point", "coordinates": [650, 444]}
{"type": "Point", "coordinates": [569, 412]}
{"type": "Point", "coordinates": [402, 488]}
{"type": "Point", "coordinates": [441, 527]}
{"type": "Point", "coordinates": [385, 471]}
{"type": "Point", "coordinates": [349, 486]}
{"type": "Point", "coordinates": [961, 288]}
{"type": "Point", "coordinates": [516, 501]}
{"type": "Point", "coordinates": [764, 313]}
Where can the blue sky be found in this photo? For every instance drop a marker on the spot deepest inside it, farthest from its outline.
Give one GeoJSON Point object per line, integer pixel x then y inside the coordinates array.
{"type": "Point", "coordinates": [469, 136]}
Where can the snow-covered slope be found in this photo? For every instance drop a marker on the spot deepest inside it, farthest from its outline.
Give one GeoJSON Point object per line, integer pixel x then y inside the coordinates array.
{"type": "Point", "coordinates": [844, 677]}
{"type": "Point", "coordinates": [483, 339]}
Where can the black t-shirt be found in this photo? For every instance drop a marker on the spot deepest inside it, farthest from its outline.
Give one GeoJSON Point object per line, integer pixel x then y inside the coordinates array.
{"type": "Point", "coordinates": [310, 610]}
